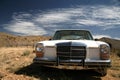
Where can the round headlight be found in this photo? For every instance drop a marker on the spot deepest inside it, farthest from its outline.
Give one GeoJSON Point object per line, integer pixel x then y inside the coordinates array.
{"type": "Point", "coordinates": [39, 47]}
{"type": "Point", "coordinates": [104, 49]}
{"type": "Point", "coordinates": [104, 52]}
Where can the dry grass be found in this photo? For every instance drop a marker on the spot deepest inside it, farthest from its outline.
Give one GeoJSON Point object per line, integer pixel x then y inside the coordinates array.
{"type": "Point", "coordinates": [114, 71]}
{"type": "Point", "coordinates": [16, 64]}
{"type": "Point", "coordinates": [12, 59]}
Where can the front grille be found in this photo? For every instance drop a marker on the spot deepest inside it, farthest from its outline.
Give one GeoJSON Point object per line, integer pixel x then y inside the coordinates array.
{"type": "Point", "coordinates": [71, 52]}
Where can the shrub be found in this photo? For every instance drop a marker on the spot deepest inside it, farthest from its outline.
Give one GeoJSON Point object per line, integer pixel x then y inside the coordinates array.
{"type": "Point", "coordinates": [26, 53]}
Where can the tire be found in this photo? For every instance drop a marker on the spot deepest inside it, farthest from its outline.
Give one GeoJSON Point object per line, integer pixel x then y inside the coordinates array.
{"type": "Point", "coordinates": [102, 72]}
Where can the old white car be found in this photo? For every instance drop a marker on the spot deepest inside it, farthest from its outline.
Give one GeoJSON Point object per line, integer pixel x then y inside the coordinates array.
{"type": "Point", "coordinates": [73, 49]}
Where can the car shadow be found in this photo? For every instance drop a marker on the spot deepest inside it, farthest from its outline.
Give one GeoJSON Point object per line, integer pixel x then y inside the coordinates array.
{"type": "Point", "coordinates": [46, 73]}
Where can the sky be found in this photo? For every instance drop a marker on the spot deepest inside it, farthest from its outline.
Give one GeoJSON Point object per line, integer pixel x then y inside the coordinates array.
{"type": "Point", "coordinates": [44, 17]}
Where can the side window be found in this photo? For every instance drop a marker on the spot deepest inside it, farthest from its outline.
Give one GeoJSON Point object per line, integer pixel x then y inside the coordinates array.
{"type": "Point", "coordinates": [56, 36]}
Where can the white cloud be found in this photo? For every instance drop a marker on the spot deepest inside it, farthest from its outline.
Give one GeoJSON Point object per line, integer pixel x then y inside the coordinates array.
{"type": "Point", "coordinates": [102, 17]}
{"type": "Point", "coordinates": [53, 17]}
{"type": "Point", "coordinates": [25, 28]}
{"type": "Point", "coordinates": [109, 15]}
{"type": "Point", "coordinates": [111, 12]}
{"type": "Point", "coordinates": [88, 22]}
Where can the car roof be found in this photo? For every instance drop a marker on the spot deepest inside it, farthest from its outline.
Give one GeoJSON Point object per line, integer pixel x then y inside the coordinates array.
{"type": "Point", "coordinates": [73, 30]}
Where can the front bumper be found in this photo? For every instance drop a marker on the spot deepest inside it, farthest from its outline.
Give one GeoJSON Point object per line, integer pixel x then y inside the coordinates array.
{"type": "Point", "coordinates": [79, 63]}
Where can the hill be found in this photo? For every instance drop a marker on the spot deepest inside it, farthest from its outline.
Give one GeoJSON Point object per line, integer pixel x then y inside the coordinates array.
{"type": "Point", "coordinates": [115, 44]}
{"type": "Point", "coordinates": [8, 40]}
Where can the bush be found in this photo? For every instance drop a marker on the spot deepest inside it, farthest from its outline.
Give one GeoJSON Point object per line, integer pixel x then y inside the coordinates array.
{"type": "Point", "coordinates": [26, 53]}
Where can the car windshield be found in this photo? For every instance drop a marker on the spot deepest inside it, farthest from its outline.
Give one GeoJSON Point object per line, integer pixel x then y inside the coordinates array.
{"type": "Point", "coordinates": [72, 35]}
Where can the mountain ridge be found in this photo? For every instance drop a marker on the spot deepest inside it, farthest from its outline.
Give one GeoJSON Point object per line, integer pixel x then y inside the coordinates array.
{"type": "Point", "coordinates": [10, 40]}
{"type": "Point", "coordinates": [114, 43]}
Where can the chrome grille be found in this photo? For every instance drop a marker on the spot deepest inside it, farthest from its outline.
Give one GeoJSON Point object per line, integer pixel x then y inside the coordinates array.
{"type": "Point", "coordinates": [71, 52]}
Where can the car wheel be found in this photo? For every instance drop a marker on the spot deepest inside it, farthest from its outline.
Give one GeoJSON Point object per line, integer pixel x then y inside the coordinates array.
{"type": "Point", "coordinates": [102, 72]}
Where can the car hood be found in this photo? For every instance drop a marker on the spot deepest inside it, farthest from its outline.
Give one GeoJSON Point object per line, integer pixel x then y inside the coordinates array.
{"type": "Point", "coordinates": [87, 43]}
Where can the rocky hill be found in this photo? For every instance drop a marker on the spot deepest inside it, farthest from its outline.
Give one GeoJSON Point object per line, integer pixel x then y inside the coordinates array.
{"type": "Point", "coordinates": [8, 40]}
{"type": "Point", "coordinates": [114, 44]}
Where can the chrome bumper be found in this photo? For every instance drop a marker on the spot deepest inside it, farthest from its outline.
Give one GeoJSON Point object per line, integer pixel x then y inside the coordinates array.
{"type": "Point", "coordinates": [83, 63]}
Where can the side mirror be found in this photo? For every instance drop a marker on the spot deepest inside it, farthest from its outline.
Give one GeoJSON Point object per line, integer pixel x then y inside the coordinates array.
{"type": "Point", "coordinates": [96, 39]}
{"type": "Point", "coordinates": [50, 39]}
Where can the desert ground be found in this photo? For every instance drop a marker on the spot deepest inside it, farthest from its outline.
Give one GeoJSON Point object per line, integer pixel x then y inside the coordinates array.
{"type": "Point", "coordinates": [16, 64]}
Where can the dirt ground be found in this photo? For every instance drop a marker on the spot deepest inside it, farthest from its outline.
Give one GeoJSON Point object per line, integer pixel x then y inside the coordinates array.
{"type": "Point", "coordinates": [16, 64]}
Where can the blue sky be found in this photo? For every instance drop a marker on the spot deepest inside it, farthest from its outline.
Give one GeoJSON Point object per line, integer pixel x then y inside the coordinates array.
{"type": "Point", "coordinates": [43, 17]}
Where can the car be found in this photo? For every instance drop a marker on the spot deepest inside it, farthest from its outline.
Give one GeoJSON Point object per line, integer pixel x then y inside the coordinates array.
{"type": "Point", "coordinates": [73, 49]}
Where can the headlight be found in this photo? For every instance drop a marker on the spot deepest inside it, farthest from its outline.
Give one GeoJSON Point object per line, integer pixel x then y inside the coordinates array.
{"type": "Point", "coordinates": [39, 47]}
{"type": "Point", "coordinates": [104, 49]}
{"type": "Point", "coordinates": [104, 52]}
{"type": "Point", "coordinates": [39, 50]}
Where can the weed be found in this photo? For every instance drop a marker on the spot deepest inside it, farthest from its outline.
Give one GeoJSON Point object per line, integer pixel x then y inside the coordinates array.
{"type": "Point", "coordinates": [26, 53]}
